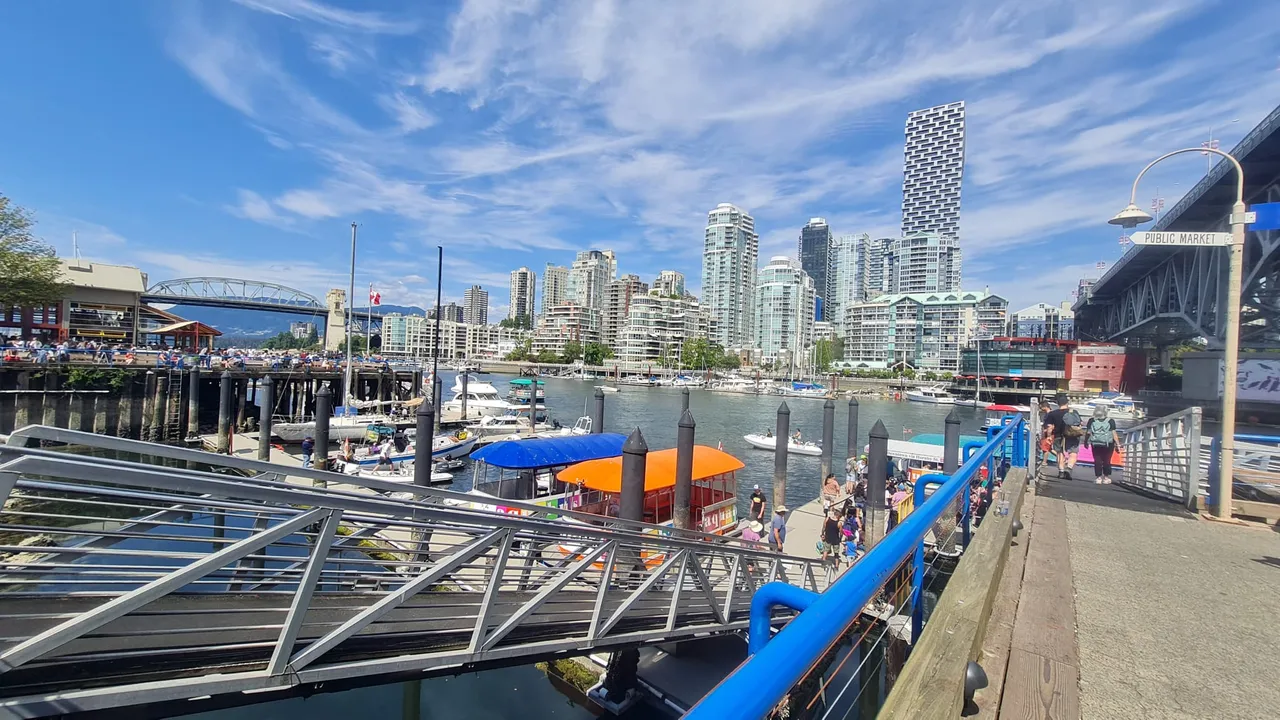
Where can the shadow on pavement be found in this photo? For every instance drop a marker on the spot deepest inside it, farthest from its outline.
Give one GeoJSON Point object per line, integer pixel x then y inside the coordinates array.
{"type": "Point", "coordinates": [1268, 560]}
{"type": "Point", "coordinates": [1081, 489]}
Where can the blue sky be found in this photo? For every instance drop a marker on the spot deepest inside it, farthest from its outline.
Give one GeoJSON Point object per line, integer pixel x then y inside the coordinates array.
{"type": "Point", "coordinates": [242, 138]}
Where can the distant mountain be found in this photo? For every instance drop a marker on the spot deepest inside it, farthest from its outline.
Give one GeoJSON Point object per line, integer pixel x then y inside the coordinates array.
{"type": "Point", "coordinates": [251, 324]}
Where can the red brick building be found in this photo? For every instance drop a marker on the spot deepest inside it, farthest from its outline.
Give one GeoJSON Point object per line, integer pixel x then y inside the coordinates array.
{"type": "Point", "coordinates": [1106, 368]}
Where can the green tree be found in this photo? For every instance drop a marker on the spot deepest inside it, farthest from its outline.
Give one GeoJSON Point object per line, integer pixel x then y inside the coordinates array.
{"type": "Point", "coordinates": [572, 352]}
{"type": "Point", "coordinates": [521, 322]}
{"type": "Point", "coordinates": [546, 356]}
{"type": "Point", "coordinates": [30, 267]}
{"type": "Point", "coordinates": [357, 344]}
{"type": "Point", "coordinates": [596, 353]}
{"type": "Point", "coordinates": [522, 353]}
{"type": "Point", "coordinates": [824, 352]}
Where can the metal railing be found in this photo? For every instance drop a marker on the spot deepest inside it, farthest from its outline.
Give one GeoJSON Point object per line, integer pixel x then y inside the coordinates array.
{"type": "Point", "coordinates": [126, 582]}
{"type": "Point", "coordinates": [776, 665]}
{"type": "Point", "coordinates": [1256, 461]}
{"type": "Point", "coordinates": [1163, 456]}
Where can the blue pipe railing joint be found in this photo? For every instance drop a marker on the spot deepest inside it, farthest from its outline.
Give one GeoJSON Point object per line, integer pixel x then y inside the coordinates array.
{"type": "Point", "coordinates": [768, 597]}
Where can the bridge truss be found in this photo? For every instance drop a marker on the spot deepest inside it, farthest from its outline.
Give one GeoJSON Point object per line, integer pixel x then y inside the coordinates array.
{"type": "Point", "coordinates": [1161, 295]}
{"type": "Point", "coordinates": [234, 293]}
{"type": "Point", "coordinates": [127, 582]}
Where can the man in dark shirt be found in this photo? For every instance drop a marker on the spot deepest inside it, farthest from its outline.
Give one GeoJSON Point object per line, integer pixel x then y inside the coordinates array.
{"type": "Point", "coordinates": [1062, 426]}
{"type": "Point", "coordinates": [758, 502]}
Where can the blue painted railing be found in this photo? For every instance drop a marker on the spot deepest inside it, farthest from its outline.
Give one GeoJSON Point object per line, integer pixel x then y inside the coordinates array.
{"type": "Point", "coordinates": [776, 665]}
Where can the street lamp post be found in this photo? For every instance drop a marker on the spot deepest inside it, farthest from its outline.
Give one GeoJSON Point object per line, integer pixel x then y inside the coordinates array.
{"type": "Point", "coordinates": [1131, 217]}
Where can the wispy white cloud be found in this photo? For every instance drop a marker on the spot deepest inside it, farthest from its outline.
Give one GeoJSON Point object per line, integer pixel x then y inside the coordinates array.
{"type": "Point", "coordinates": [309, 10]}
{"type": "Point", "coordinates": [409, 114]}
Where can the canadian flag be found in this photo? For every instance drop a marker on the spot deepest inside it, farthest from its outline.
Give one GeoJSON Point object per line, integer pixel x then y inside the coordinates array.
{"type": "Point", "coordinates": [375, 298]}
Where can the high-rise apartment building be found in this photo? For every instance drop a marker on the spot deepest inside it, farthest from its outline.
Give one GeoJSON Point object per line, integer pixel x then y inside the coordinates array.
{"type": "Point", "coordinates": [874, 274]}
{"type": "Point", "coordinates": [564, 323]}
{"type": "Point", "coordinates": [670, 282]}
{"type": "Point", "coordinates": [475, 304]}
{"type": "Point", "coordinates": [785, 299]}
{"type": "Point", "coordinates": [449, 312]}
{"type": "Point", "coordinates": [555, 286]}
{"type": "Point", "coordinates": [617, 305]}
{"type": "Point", "coordinates": [814, 250]}
{"type": "Point", "coordinates": [925, 262]}
{"type": "Point", "coordinates": [729, 252]}
{"type": "Point", "coordinates": [932, 170]}
{"type": "Point", "coordinates": [924, 330]}
{"type": "Point", "coordinates": [657, 326]}
{"type": "Point", "coordinates": [524, 285]}
{"type": "Point", "coordinates": [589, 278]}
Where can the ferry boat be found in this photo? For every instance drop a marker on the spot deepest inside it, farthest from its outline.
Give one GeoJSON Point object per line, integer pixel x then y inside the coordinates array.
{"type": "Point", "coordinates": [713, 506]}
{"type": "Point", "coordinates": [482, 399]}
{"type": "Point", "coordinates": [936, 394]}
{"type": "Point", "coordinates": [523, 390]}
{"type": "Point", "coordinates": [765, 441]}
{"type": "Point", "coordinates": [525, 470]}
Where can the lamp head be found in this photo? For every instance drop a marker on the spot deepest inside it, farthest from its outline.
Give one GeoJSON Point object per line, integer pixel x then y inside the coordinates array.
{"type": "Point", "coordinates": [1131, 217]}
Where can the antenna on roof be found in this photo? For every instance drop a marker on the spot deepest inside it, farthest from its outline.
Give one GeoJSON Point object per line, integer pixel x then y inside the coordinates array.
{"type": "Point", "coordinates": [75, 248]}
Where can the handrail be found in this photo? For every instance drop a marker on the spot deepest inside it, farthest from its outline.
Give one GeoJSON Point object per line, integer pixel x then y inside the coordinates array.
{"type": "Point", "coordinates": [756, 686]}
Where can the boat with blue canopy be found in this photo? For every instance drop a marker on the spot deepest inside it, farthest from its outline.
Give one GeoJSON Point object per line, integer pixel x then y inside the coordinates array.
{"type": "Point", "coordinates": [525, 470]}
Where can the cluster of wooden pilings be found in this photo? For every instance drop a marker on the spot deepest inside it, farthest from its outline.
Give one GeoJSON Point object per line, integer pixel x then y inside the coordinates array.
{"type": "Point", "coordinates": [173, 405]}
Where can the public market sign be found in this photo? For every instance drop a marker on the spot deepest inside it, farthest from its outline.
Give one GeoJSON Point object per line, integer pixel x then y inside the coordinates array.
{"type": "Point", "coordinates": [1181, 239]}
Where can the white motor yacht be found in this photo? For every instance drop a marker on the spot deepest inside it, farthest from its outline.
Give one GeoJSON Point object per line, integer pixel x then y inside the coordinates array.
{"type": "Point", "coordinates": [1118, 406]}
{"type": "Point", "coordinates": [936, 394]}
{"type": "Point", "coordinates": [482, 399]}
{"type": "Point", "coordinates": [514, 422]}
{"type": "Point", "coordinates": [341, 427]}
{"type": "Point", "coordinates": [735, 385]}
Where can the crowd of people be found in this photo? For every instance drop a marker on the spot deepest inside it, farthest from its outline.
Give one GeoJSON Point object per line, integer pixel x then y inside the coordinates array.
{"type": "Point", "coordinates": [233, 358]}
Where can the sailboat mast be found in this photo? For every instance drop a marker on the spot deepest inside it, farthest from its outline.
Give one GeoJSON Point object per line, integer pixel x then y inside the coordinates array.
{"type": "Point", "coordinates": [351, 318]}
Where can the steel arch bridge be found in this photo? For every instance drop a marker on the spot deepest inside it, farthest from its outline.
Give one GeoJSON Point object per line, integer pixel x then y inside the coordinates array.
{"type": "Point", "coordinates": [236, 294]}
{"type": "Point", "coordinates": [1158, 296]}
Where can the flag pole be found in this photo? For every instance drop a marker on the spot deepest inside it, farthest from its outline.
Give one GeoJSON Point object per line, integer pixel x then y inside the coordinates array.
{"type": "Point", "coordinates": [368, 324]}
{"type": "Point", "coordinates": [351, 321]}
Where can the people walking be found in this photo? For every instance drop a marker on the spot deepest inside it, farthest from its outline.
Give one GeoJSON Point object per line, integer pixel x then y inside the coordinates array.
{"type": "Point", "coordinates": [778, 529]}
{"type": "Point", "coordinates": [831, 536]}
{"type": "Point", "coordinates": [1103, 441]}
{"type": "Point", "coordinates": [1062, 426]}
{"type": "Point", "coordinates": [758, 503]}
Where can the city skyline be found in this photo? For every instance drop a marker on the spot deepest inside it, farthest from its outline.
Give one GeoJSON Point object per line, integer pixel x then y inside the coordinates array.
{"type": "Point", "coordinates": [428, 127]}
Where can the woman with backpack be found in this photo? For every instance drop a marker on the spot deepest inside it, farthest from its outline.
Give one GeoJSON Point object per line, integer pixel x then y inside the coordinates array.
{"type": "Point", "coordinates": [1103, 440]}
{"type": "Point", "coordinates": [1063, 427]}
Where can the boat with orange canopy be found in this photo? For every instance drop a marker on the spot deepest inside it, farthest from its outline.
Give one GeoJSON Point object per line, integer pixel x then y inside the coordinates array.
{"type": "Point", "coordinates": [712, 503]}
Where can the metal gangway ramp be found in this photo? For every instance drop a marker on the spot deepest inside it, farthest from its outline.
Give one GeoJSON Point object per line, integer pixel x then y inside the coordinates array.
{"type": "Point", "coordinates": [139, 573]}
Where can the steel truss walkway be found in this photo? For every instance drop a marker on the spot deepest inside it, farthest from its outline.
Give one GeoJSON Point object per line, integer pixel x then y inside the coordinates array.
{"type": "Point", "coordinates": [177, 574]}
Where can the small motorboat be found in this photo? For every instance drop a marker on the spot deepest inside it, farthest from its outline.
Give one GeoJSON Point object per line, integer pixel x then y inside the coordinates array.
{"type": "Point", "coordinates": [769, 442]}
{"type": "Point", "coordinates": [607, 388]}
{"type": "Point", "coordinates": [402, 473]}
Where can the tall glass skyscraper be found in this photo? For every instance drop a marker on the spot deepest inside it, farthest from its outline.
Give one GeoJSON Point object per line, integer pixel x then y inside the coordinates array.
{"type": "Point", "coordinates": [815, 256]}
{"type": "Point", "coordinates": [932, 170]}
{"type": "Point", "coordinates": [729, 252]}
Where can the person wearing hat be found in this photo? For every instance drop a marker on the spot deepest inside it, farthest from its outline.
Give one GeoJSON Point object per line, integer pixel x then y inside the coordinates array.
{"type": "Point", "coordinates": [778, 528]}
{"type": "Point", "coordinates": [758, 502]}
{"type": "Point", "coordinates": [753, 530]}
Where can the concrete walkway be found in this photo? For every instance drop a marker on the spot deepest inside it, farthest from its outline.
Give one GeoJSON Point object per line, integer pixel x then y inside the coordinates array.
{"type": "Point", "coordinates": [1175, 616]}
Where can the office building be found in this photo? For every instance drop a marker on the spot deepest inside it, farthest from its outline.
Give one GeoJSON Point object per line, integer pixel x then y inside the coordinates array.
{"type": "Point", "coordinates": [670, 282]}
{"type": "Point", "coordinates": [1043, 321]}
{"type": "Point", "coordinates": [555, 286]}
{"type": "Point", "coordinates": [617, 305]}
{"type": "Point", "coordinates": [524, 285]}
{"type": "Point", "coordinates": [413, 336]}
{"type": "Point", "coordinates": [924, 330]}
{"type": "Point", "coordinates": [932, 170]}
{"type": "Point", "coordinates": [785, 299]}
{"type": "Point", "coordinates": [814, 251]}
{"type": "Point", "coordinates": [729, 253]}
{"type": "Point", "coordinates": [563, 323]}
{"type": "Point", "coordinates": [658, 324]}
{"type": "Point", "coordinates": [589, 278]}
{"type": "Point", "coordinates": [925, 263]}
{"type": "Point", "coordinates": [475, 303]}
